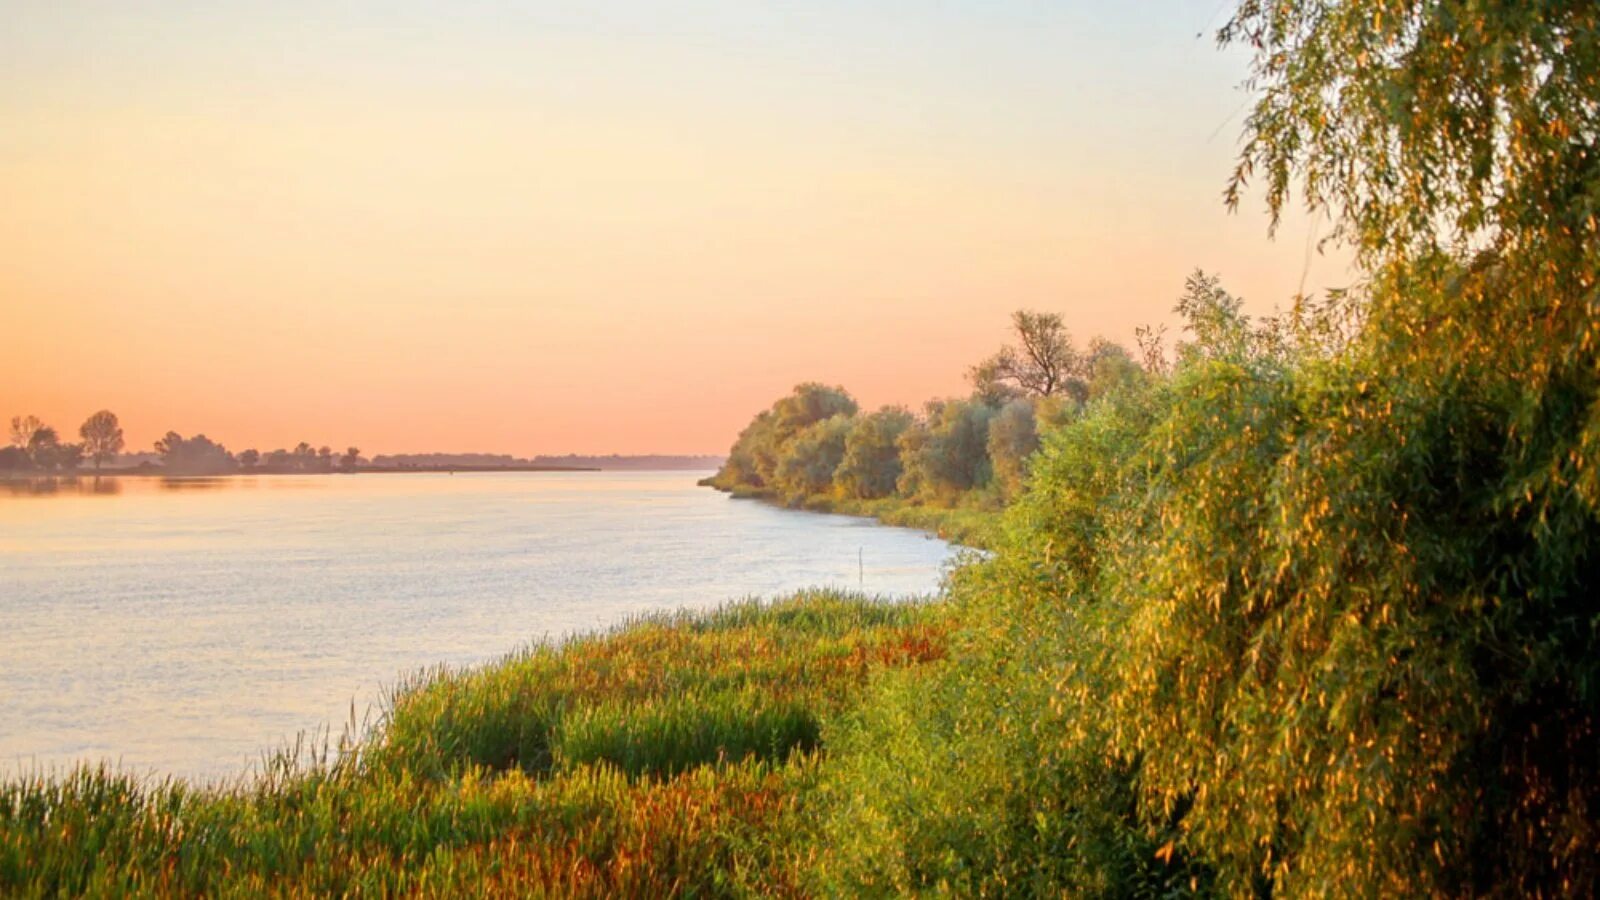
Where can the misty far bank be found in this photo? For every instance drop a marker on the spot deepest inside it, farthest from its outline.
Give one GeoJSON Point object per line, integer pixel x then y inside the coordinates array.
{"type": "Point", "coordinates": [37, 450]}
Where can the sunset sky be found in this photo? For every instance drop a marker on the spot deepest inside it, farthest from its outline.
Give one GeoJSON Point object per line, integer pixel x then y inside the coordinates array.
{"type": "Point", "coordinates": [591, 226]}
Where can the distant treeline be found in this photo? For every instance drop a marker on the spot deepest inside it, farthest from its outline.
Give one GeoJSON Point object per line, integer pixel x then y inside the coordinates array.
{"type": "Point", "coordinates": [569, 461]}
{"type": "Point", "coordinates": [37, 448]}
{"type": "Point", "coordinates": [644, 462]}
{"type": "Point", "coordinates": [817, 444]}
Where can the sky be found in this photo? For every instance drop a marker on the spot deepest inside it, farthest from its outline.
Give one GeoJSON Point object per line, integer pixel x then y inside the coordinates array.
{"type": "Point", "coordinates": [599, 226]}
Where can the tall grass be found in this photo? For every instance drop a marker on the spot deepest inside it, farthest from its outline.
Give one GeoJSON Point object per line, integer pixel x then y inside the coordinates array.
{"type": "Point", "coordinates": [669, 756]}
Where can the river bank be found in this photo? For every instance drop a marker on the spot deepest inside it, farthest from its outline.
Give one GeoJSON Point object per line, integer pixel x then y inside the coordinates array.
{"type": "Point", "coordinates": [678, 754]}
{"type": "Point", "coordinates": [971, 525]}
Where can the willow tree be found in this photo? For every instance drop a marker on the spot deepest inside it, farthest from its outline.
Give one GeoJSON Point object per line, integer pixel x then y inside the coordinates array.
{"type": "Point", "coordinates": [754, 459]}
{"type": "Point", "coordinates": [1320, 599]}
{"type": "Point", "coordinates": [871, 466]}
{"type": "Point", "coordinates": [1356, 649]}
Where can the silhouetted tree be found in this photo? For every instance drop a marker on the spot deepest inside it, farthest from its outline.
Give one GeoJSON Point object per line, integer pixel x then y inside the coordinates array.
{"type": "Point", "coordinates": [1042, 363]}
{"type": "Point", "coordinates": [102, 437]}
{"type": "Point", "coordinates": [198, 455]}
{"type": "Point", "coordinates": [67, 457]}
{"type": "Point", "coordinates": [23, 429]}
{"type": "Point", "coordinates": [350, 459]}
{"type": "Point", "coordinates": [249, 459]}
{"type": "Point", "coordinates": [14, 459]}
{"type": "Point", "coordinates": [43, 446]}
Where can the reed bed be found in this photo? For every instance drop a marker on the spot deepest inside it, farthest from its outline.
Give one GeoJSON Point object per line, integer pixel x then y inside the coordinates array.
{"type": "Point", "coordinates": [670, 756]}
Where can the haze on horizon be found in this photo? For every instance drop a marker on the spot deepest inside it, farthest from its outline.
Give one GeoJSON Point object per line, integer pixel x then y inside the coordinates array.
{"type": "Point", "coordinates": [598, 227]}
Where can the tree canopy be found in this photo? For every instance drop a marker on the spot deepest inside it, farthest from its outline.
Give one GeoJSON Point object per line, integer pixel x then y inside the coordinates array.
{"type": "Point", "coordinates": [1042, 362]}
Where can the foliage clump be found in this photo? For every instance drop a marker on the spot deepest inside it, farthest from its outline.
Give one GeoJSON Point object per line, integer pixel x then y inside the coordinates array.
{"type": "Point", "coordinates": [950, 469]}
{"type": "Point", "coordinates": [1311, 611]}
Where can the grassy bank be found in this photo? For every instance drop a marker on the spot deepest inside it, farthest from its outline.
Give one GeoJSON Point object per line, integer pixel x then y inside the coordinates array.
{"type": "Point", "coordinates": [972, 523]}
{"type": "Point", "coordinates": [673, 755]}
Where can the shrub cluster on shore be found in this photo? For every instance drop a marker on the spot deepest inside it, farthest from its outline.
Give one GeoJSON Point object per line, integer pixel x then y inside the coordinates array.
{"type": "Point", "coordinates": [948, 470]}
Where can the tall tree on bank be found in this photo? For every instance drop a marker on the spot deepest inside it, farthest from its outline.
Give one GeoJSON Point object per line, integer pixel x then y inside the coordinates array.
{"type": "Point", "coordinates": [102, 437]}
{"type": "Point", "coordinates": [1042, 363]}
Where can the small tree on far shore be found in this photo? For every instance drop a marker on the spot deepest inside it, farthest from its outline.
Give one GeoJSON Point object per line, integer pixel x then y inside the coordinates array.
{"type": "Point", "coordinates": [23, 428]}
{"type": "Point", "coordinates": [102, 437]}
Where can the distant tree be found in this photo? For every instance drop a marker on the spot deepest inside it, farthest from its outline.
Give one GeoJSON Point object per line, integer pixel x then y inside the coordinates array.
{"type": "Point", "coordinates": [14, 459]}
{"type": "Point", "coordinates": [280, 459]}
{"type": "Point", "coordinates": [1110, 368]}
{"type": "Point", "coordinates": [753, 461]}
{"type": "Point", "coordinates": [1013, 437]}
{"type": "Point", "coordinates": [325, 459]}
{"type": "Point", "coordinates": [67, 457]}
{"type": "Point", "coordinates": [744, 465]}
{"type": "Point", "coordinates": [169, 444]}
{"type": "Point", "coordinates": [47, 452]}
{"type": "Point", "coordinates": [809, 403]}
{"type": "Point", "coordinates": [808, 461]}
{"type": "Point", "coordinates": [102, 437]}
{"type": "Point", "coordinates": [1042, 363]}
{"type": "Point", "coordinates": [948, 454]}
{"type": "Point", "coordinates": [23, 429]}
{"type": "Point", "coordinates": [198, 455]}
{"type": "Point", "coordinates": [350, 459]}
{"type": "Point", "coordinates": [871, 465]}
{"type": "Point", "coordinates": [249, 459]}
{"type": "Point", "coordinates": [43, 447]}
{"type": "Point", "coordinates": [305, 458]}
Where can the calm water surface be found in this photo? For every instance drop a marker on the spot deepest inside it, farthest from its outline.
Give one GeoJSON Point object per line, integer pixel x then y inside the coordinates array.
{"type": "Point", "coordinates": [185, 626]}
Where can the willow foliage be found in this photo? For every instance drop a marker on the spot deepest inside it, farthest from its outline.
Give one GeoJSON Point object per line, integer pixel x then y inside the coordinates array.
{"type": "Point", "coordinates": [1322, 599]}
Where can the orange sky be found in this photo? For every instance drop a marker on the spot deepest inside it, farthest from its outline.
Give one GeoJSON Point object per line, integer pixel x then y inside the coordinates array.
{"type": "Point", "coordinates": [589, 227]}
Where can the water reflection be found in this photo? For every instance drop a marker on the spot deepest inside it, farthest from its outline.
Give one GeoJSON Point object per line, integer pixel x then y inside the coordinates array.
{"type": "Point", "coordinates": [194, 482]}
{"type": "Point", "coordinates": [52, 485]}
{"type": "Point", "coordinates": [87, 484]}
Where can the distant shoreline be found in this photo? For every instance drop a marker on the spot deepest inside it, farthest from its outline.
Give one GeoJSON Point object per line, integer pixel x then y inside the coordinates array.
{"type": "Point", "coordinates": [158, 472]}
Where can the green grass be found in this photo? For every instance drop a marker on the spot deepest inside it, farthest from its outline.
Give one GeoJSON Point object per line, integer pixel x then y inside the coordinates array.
{"type": "Point", "coordinates": [972, 521]}
{"type": "Point", "coordinates": [670, 756]}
